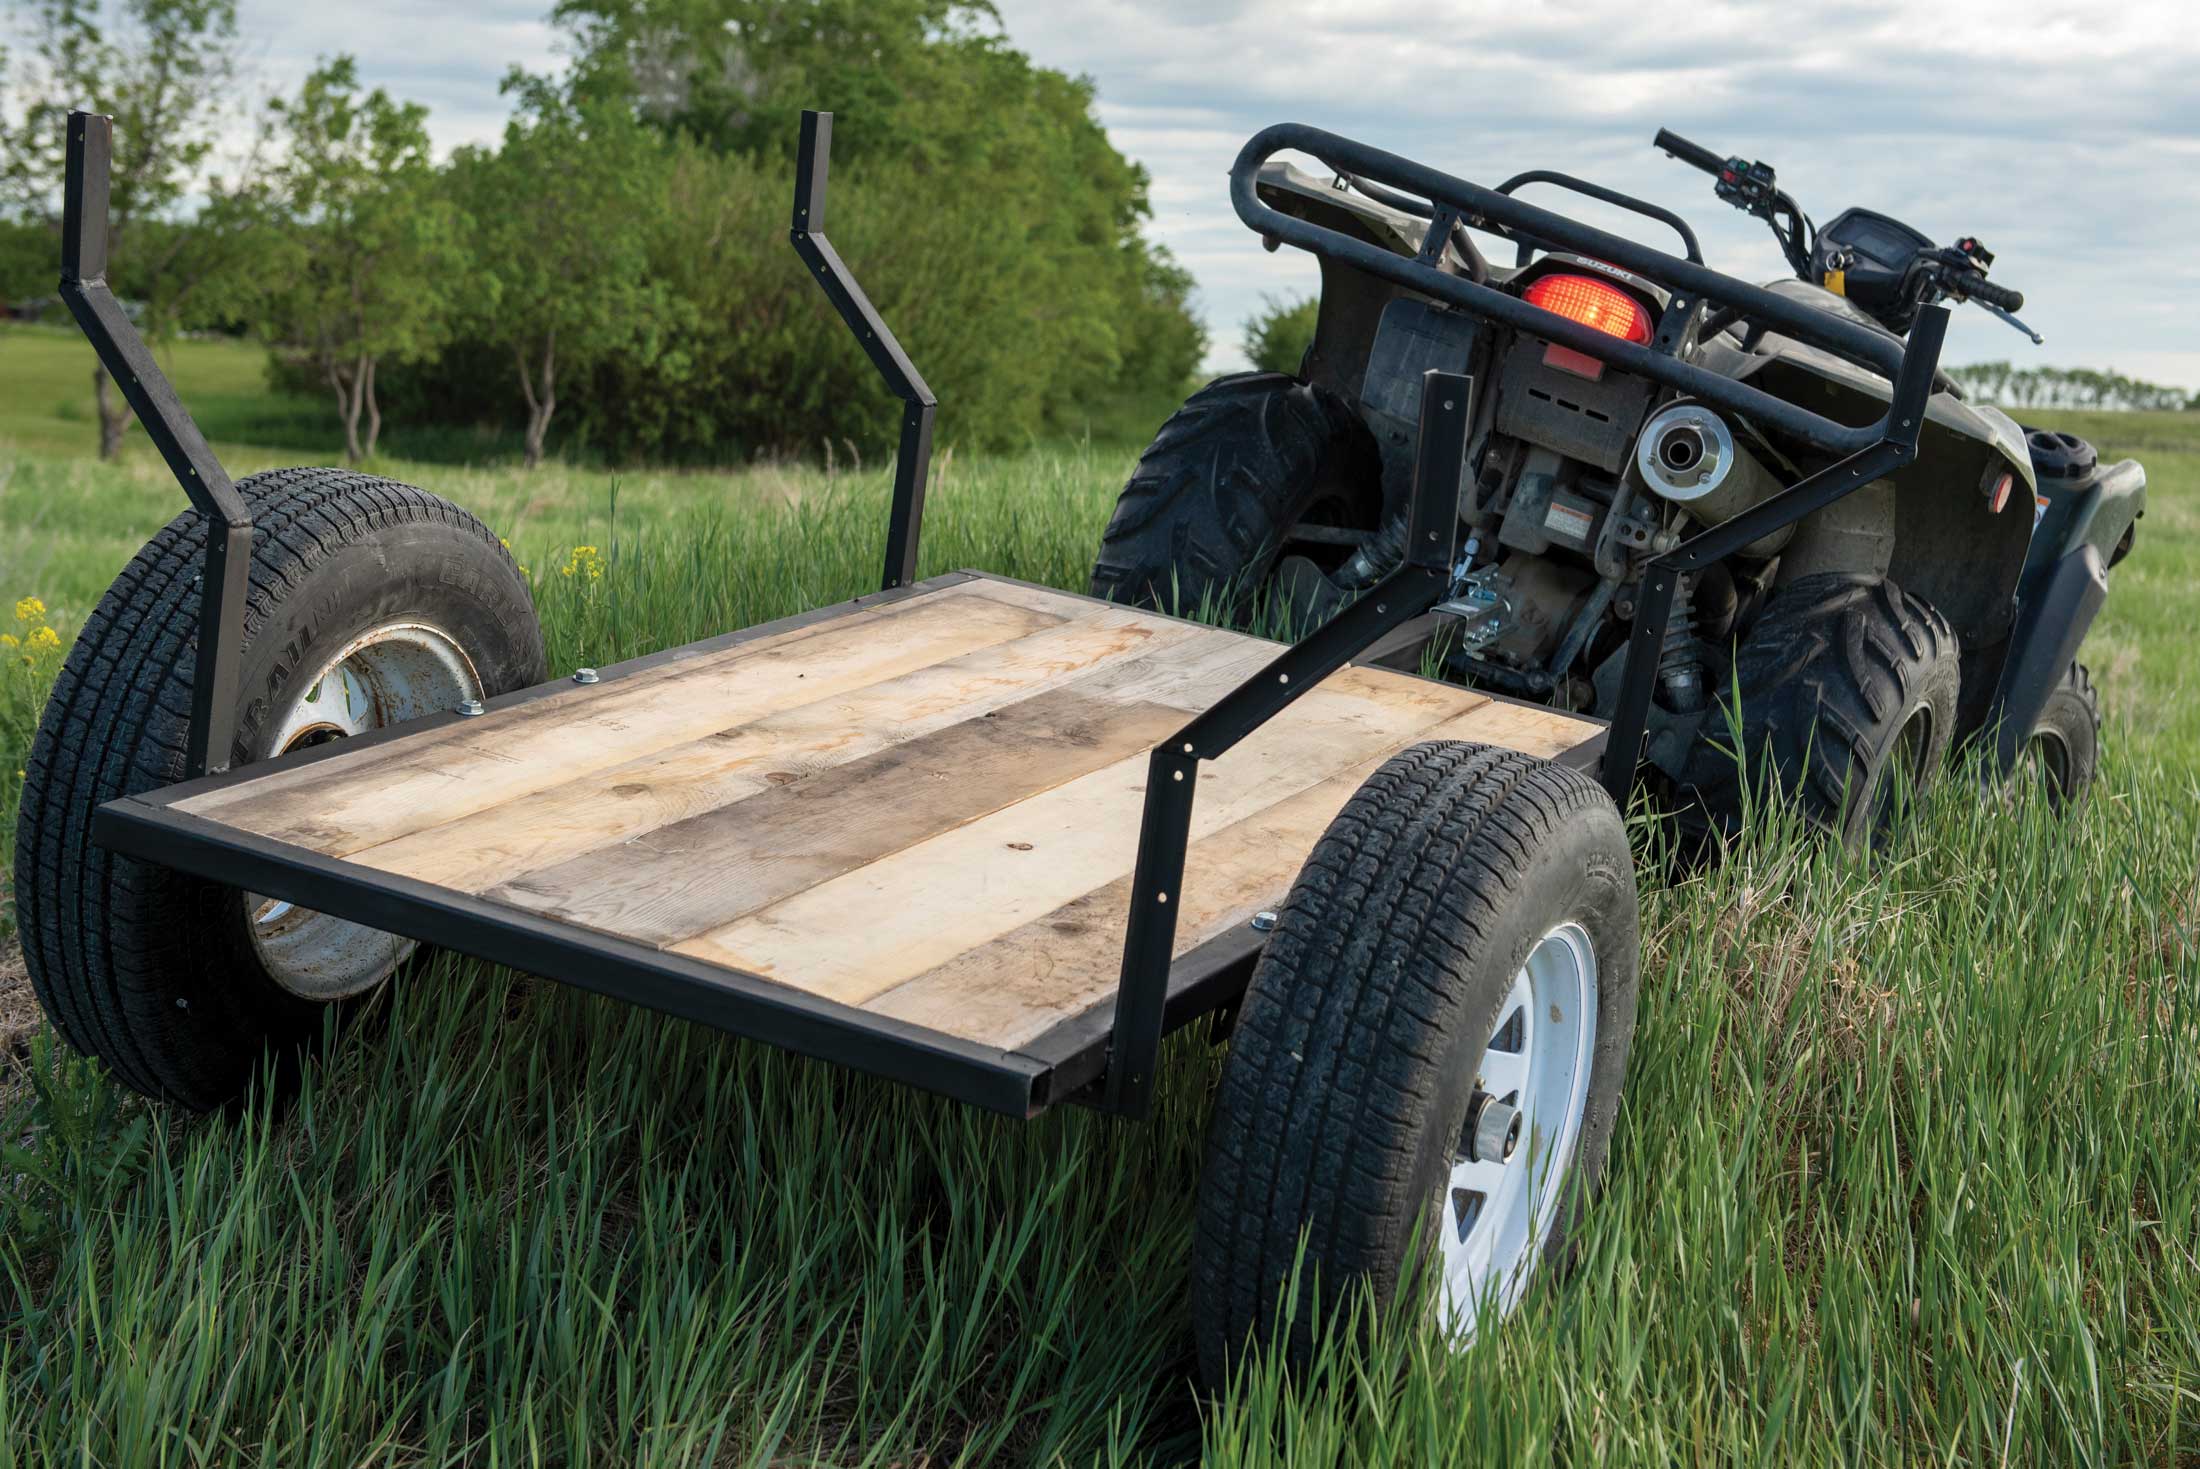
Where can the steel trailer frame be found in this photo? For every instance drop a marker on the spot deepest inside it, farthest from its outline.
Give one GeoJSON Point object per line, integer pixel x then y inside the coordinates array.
{"type": "Point", "coordinates": [1108, 1056]}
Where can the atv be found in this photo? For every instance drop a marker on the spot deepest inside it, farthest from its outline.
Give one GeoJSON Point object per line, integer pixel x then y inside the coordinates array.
{"type": "Point", "coordinates": [1722, 480]}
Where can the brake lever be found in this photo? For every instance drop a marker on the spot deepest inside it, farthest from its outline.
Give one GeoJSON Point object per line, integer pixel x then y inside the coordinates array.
{"type": "Point", "coordinates": [2037, 339]}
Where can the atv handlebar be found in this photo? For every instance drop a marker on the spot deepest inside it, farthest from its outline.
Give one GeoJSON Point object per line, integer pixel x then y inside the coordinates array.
{"type": "Point", "coordinates": [1972, 286]}
{"type": "Point", "coordinates": [1694, 154]}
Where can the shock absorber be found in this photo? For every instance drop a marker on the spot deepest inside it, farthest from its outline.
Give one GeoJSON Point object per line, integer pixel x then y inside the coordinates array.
{"type": "Point", "coordinates": [1680, 664]}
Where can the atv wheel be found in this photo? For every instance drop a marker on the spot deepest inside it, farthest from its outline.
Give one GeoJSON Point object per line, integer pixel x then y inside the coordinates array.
{"type": "Point", "coordinates": [2064, 754]}
{"type": "Point", "coordinates": [370, 603]}
{"type": "Point", "coordinates": [1251, 467]}
{"type": "Point", "coordinates": [1843, 682]}
{"type": "Point", "coordinates": [1427, 1064]}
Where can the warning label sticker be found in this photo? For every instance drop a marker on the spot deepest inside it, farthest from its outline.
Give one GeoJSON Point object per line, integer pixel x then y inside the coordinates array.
{"type": "Point", "coordinates": [1568, 524]}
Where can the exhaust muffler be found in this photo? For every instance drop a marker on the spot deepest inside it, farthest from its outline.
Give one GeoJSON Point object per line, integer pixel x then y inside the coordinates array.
{"type": "Point", "coordinates": [1689, 456]}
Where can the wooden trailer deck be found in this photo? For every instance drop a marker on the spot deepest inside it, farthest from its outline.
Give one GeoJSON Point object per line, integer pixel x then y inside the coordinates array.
{"type": "Point", "coordinates": [921, 806]}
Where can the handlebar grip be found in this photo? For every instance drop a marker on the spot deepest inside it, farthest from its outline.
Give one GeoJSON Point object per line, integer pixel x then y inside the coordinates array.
{"type": "Point", "coordinates": [1690, 153]}
{"type": "Point", "coordinates": [1979, 288]}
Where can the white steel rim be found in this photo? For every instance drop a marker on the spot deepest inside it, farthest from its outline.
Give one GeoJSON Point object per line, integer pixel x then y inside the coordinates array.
{"type": "Point", "coordinates": [386, 675]}
{"type": "Point", "coordinates": [1497, 1213]}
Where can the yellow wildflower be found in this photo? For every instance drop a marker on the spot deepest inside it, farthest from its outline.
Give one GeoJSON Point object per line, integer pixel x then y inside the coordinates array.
{"type": "Point", "coordinates": [585, 562]}
{"type": "Point", "coordinates": [10, 640]}
{"type": "Point", "coordinates": [29, 609]}
{"type": "Point", "coordinates": [45, 637]}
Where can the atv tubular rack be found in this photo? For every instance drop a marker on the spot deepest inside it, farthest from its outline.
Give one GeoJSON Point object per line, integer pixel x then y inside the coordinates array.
{"type": "Point", "coordinates": [225, 572]}
{"type": "Point", "coordinates": [1869, 451]}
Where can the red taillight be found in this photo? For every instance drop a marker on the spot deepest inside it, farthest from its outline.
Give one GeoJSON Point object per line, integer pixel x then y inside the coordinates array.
{"type": "Point", "coordinates": [1998, 496]}
{"type": "Point", "coordinates": [1593, 303]}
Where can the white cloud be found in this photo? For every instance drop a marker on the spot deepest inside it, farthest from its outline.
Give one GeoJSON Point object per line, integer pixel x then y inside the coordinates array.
{"type": "Point", "coordinates": [2067, 136]}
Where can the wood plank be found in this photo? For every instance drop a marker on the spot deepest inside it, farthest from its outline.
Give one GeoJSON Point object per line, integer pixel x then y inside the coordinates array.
{"type": "Point", "coordinates": [1128, 655]}
{"type": "Point", "coordinates": [624, 801]}
{"type": "Point", "coordinates": [1545, 732]}
{"type": "Point", "coordinates": [1014, 989]}
{"type": "Point", "coordinates": [517, 752]}
{"type": "Point", "coordinates": [967, 887]}
{"type": "Point", "coordinates": [683, 662]}
{"type": "Point", "coordinates": [706, 872]}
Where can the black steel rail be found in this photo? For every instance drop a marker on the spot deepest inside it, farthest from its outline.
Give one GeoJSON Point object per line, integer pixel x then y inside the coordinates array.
{"type": "Point", "coordinates": [1480, 206]}
{"type": "Point", "coordinates": [1613, 197]}
{"type": "Point", "coordinates": [224, 574]}
{"type": "Point", "coordinates": [913, 457]}
{"type": "Point", "coordinates": [1172, 773]}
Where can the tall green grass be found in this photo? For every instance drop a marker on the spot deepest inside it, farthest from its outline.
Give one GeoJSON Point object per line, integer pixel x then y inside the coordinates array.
{"type": "Point", "coordinates": [1905, 1171]}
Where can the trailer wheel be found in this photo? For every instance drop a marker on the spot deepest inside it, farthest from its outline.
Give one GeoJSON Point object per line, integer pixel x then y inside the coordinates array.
{"type": "Point", "coordinates": [1427, 1063]}
{"type": "Point", "coordinates": [2064, 754]}
{"type": "Point", "coordinates": [371, 602]}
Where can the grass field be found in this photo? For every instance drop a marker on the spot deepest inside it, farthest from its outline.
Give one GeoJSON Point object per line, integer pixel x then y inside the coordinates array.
{"type": "Point", "coordinates": [1906, 1171]}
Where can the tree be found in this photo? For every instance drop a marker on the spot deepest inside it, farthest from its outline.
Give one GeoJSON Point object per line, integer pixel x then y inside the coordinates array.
{"type": "Point", "coordinates": [560, 218]}
{"type": "Point", "coordinates": [1276, 337]}
{"type": "Point", "coordinates": [165, 70]}
{"type": "Point", "coordinates": [369, 256]}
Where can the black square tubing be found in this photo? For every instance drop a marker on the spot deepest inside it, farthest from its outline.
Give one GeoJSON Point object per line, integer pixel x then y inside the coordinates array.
{"type": "Point", "coordinates": [1905, 419]}
{"type": "Point", "coordinates": [1172, 773]}
{"type": "Point", "coordinates": [225, 570]}
{"type": "Point", "coordinates": [913, 456]}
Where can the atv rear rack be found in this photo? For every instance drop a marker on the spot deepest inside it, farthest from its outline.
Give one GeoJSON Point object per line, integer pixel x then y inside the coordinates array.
{"type": "Point", "coordinates": [1868, 452]}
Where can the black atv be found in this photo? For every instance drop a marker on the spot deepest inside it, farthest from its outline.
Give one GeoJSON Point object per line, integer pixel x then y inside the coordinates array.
{"type": "Point", "coordinates": [1723, 478]}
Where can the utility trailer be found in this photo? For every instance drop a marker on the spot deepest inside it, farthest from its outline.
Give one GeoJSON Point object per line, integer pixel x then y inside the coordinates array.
{"type": "Point", "coordinates": [945, 833]}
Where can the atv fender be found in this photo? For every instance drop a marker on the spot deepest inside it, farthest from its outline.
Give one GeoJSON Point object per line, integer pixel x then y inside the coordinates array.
{"type": "Point", "coordinates": [2078, 533]}
{"type": "Point", "coordinates": [2096, 513]}
{"type": "Point", "coordinates": [2051, 624]}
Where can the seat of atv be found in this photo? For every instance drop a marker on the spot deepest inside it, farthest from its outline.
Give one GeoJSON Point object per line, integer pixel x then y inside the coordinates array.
{"type": "Point", "coordinates": [924, 806]}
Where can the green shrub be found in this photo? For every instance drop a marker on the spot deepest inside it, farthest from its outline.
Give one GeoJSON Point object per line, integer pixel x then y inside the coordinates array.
{"type": "Point", "coordinates": [1277, 336]}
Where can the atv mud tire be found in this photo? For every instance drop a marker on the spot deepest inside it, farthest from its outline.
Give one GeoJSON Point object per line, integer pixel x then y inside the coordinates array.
{"type": "Point", "coordinates": [383, 600]}
{"type": "Point", "coordinates": [2064, 753]}
{"type": "Point", "coordinates": [1208, 509]}
{"type": "Point", "coordinates": [1842, 682]}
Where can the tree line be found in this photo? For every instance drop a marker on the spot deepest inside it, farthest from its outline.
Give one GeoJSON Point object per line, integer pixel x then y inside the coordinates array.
{"type": "Point", "coordinates": [616, 265]}
{"type": "Point", "coordinates": [2067, 387]}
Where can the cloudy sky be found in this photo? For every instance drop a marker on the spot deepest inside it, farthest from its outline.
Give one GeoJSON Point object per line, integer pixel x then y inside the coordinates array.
{"type": "Point", "coordinates": [2064, 135]}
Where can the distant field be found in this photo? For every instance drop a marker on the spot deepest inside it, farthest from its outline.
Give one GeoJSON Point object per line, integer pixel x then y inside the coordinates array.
{"type": "Point", "coordinates": [1906, 1171]}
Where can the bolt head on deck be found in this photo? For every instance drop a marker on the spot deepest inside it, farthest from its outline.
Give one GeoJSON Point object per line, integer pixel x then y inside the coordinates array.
{"type": "Point", "coordinates": [584, 675]}
{"type": "Point", "coordinates": [1264, 920]}
{"type": "Point", "coordinates": [472, 707]}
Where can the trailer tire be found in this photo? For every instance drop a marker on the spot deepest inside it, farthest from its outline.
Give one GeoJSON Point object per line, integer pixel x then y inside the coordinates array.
{"type": "Point", "coordinates": [167, 978]}
{"type": "Point", "coordinates": [2064, 752]}
{"type": "Point", "coordinates": [1841, 681]}
{"type": "Point", "coordinates": [1395, 975]}
{"type": "Point", "coordinates": [1207, 510]}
